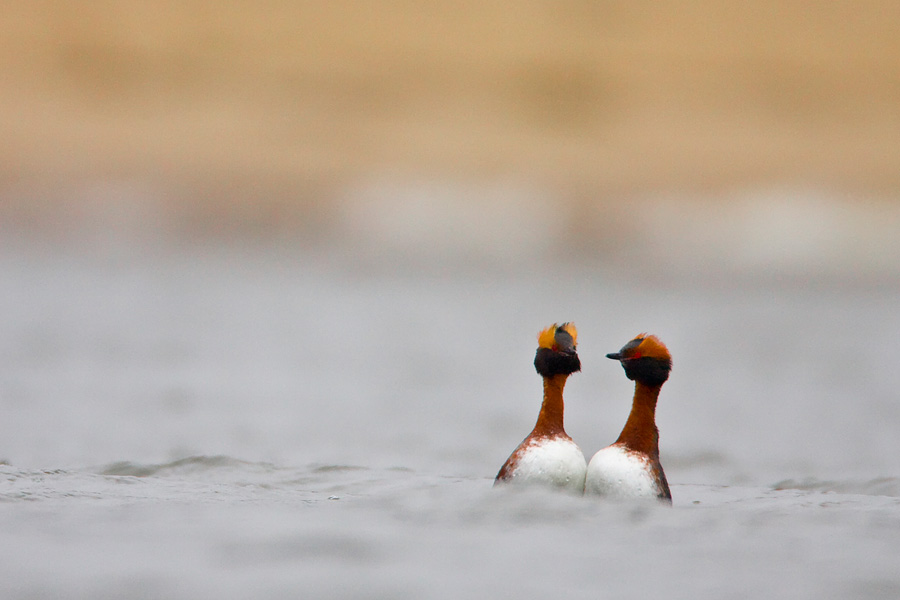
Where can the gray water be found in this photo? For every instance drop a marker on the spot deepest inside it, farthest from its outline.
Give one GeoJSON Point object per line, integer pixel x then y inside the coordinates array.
{"type": "Point", "coordinates": [233, 423]}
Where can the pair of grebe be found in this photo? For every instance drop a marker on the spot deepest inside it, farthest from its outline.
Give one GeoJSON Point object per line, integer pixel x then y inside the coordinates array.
{"type": "Point", "coordinates": [629, 468]}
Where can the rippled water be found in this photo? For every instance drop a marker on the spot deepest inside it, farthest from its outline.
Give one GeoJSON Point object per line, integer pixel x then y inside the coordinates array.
{"type": "Point", "coordinates": [251, 424]}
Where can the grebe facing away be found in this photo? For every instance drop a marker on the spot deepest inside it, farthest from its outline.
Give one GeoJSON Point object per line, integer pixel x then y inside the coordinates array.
{"type": "Point", "coordinates": [630, 467]}
{"type": "Point", "coordinates": [548, 456]}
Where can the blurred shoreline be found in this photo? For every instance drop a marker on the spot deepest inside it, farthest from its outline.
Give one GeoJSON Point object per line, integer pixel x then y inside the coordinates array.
{"type": "Point", "coordinates": [771, 237]}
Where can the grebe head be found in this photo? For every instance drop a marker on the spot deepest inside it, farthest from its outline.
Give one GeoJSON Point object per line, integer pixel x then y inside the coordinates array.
{"type": "Point", "coordinates": [645, 359]}
{"type": "Point", "coordinates": [556, 353]}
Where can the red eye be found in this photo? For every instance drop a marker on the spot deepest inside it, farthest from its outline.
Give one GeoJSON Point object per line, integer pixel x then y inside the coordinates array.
{"type": "Point", "coordinates": [555, 348]}
{"type": "Point", "coordinates": [636, 356]}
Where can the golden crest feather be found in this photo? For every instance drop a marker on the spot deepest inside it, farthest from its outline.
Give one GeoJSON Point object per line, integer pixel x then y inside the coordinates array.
{"type": "Point", "coordinates": [653, 347]}
{"type": "Point", "coordinates": [547, 337]}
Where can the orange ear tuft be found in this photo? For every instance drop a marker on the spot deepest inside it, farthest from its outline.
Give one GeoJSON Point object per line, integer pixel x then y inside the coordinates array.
{"type": "Point", "coordinates": [547, 337]}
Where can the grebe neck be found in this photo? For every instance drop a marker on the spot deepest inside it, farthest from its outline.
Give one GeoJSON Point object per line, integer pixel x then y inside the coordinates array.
{"type": "Point", "coordinates": [640, 433]}
{"type": "Point", "coordinates": [550, 419]}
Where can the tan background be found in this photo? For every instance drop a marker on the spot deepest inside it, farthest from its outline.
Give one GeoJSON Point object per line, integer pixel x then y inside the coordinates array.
{"type": "Point", "coordinates": [259, 116]}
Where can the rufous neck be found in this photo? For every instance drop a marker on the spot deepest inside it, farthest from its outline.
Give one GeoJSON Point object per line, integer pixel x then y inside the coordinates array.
{"type": "Point", "coordinates": [640, 433]}
{"type": "Point", "coordinates": [550, 419]}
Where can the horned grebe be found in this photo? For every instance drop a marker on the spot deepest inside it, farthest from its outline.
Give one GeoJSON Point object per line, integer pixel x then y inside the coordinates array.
{"type": "Point", "coordinates": [548, 456]}
{"type": "Point", "coordinates": [630, 467]}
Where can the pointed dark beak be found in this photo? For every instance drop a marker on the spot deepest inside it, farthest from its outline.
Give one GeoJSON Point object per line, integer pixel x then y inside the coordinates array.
{"type": "Point", "coordinates": [614, 355]}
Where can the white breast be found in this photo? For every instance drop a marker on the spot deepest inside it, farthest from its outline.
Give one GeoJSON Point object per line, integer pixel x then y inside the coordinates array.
{"type": "Point", "coordinates": [557, 462]}
{"type": "Point", "coordinates": [615, 472]}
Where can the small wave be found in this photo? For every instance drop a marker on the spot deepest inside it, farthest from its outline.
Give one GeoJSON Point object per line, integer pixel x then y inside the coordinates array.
{"type": "Point", "coordinates": [190, 464]}
{"type": "Point", "coordinates": [338, 468]}
{"type": "Point", "coordinates": [881, 486]}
